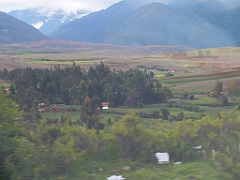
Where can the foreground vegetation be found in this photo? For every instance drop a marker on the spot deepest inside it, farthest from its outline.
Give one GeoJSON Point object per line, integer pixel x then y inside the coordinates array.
{"type": "Point", "coordinates": [38, 150]}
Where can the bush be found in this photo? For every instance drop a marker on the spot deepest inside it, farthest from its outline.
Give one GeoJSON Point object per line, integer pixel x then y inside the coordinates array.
{"type": "Point", "coordinates": [185, 95]}
{"type": "Point", "coordinates": [191, 97]}
{"type": "Point", "coordinates": [165, 113]}
{"type": "Point", "coordinates": [180, 116]}
{"type": "Point", "coordinates": [223, 100]}
{"type": "Point", "coordinates": [155, 114]}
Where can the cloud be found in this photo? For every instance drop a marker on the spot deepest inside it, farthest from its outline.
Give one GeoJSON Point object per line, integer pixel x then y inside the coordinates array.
{"type": "Point", "coordinates": [231, 3]}
{"type": "Point", "coordinates": [66, 5]}
{"type": "Point", "coordinates": [74, 5]}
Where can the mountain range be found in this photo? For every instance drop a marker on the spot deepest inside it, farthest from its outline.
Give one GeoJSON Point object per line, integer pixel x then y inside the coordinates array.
{"type": "Point", "coordinates": [151, 24]}
{"type": "Point", "coordinates": [196, 23]}
{"type": "Point", "coordinates": [13, 30]}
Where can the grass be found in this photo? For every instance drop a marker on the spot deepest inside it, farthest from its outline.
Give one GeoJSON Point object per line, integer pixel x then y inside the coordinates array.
{"type": "Point", "coordinates": [74, 116]}
{"type": "Point", "coordinates": [207, 106]}
{"type": "Point", "coordinates": [4, 84]}
{"type": "Point", "coordinates": [185, 79]}
{"type": "Point", "coordinates": [150, 171]}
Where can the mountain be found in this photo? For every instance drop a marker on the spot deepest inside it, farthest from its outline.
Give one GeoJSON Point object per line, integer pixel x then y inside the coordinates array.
{"type": "Point", "coordinates": [46, 21]}
{"type": "Point", "coordinates": [198, 4]}
{"type": "Point", "coordinates": [211, 4]}
{"type": "Point", "coordinates": [13, 30]}
{"type": "Point", "coordinates": [150, 24]}
{"type": "Point", "coordinates": [228, 20]}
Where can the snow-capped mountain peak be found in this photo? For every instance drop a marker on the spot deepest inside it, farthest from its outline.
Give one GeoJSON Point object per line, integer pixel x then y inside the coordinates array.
{"type": "Point", "coordinates": [47, 20]}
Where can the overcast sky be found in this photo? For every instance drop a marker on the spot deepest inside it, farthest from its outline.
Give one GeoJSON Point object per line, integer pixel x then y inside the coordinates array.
{"type": "Point", "coordinates": [72, 5]}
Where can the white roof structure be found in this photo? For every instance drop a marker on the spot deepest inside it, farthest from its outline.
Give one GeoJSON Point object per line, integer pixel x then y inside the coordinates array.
{"type": "Point", "coordinates": [177, 163]}
{"type": "Point", "coordinates": [163, 158]}
{"type": "Point", "coordinates": [198, 147]}
{"type": "Point", "coordinates": [114, 177]}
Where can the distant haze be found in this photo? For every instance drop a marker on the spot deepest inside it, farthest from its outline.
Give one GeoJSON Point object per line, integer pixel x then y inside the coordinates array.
{"type": "Point", "coordinates": [87, 5]}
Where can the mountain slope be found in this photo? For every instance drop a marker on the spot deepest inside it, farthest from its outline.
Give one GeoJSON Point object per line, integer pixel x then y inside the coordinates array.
{"type": "Point", "coordinates": [211, 4]}
{"type": "Point", "coordinates": [91, 28]}
{"type": "Point", "coordinates": [159, 24]}
{"type": "Point", "coordinates": [207, 4]}
{"type": "Point", "coordinates": [228, 20]}
{"type": "Point", "coordinates": [15, 31]}
{"type": "Point", "coordinates": [151, 24]}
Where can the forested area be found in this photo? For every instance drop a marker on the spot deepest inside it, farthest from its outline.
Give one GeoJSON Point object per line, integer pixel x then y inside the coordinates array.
{"type": "Point", "coordinates": [51, 151]}
{"type": "Point", "coordinates": [73, 86]}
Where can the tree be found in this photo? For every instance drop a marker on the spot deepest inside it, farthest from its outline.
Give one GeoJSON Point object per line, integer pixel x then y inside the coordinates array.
{"type": "Point", "coordinates": [151, 74]}
{"type": "Point", "coordinates": [134, 142]}
{"type": "Point", "coordinates": [191, 97]}
{"type": "Point", "coordinates": [26, 78]}
{"type": "Point", "coordinates": [8, 131]}
{"type": "Point", "coordinates": [28, 97]}
{"type": "Point", "coordinates": [223, 100]}
{"type": "Point", "coordinates": [185, 95]}
{"type": "Point", "coordinates": [90, 113]}
{"type": "Point", "coordinates": [218, 89]}
{"type": "Point", "coordinates": [165, 113]}
{"type": "Point", "coordinates": [180, 116]}
{"type": "Point", "coordinates": [234, 91]}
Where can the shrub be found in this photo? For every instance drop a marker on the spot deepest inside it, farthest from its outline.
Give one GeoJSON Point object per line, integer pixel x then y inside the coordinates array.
{"type": "Point", "coordinates": [191, 97]}
{"type": "Point", "coordinates": [165, 113]}
{"type": "Point", "coordinates": [223, 100]}
{"type": "Point", "coordinates": [185, 95]}
{"type": "Point", "coordinates": [180, 116]}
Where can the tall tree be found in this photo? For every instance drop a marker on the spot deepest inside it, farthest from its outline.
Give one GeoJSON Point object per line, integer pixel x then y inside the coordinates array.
{"type": "Point", "coordinates": [218, 89]}
{"type": "Point", "coordinates": [90, 113]}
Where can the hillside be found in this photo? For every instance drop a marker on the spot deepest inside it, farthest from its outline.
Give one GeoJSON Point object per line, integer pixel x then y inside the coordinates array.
{"type": "Point", "coordinates": [199, 4]}
{"type": "Point", "coordinates": [228, 20]}
{"type": "Point", "coordinates": [15, 31]}
{"type": "Point", "coordinates": [150, 24]}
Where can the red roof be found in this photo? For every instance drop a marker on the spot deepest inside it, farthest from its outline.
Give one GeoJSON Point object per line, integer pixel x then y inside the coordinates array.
{"type": "Point", "coordinates": [104, 104]}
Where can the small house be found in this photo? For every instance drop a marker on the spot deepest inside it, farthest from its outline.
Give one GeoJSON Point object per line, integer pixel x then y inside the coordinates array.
{"type": "Point", "coordinates": [7, 91]}
{"type": "Point", "coordinates": [42, 107]}
{"type": "Point", "coordinates": [105, 105]}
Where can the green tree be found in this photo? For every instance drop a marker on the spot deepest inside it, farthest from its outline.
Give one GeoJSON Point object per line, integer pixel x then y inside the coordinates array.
{"type": "Point", "coordinates": [165, 113]}
{"type": "Point", "coordinates": [134, 142]}
{"type": "Point", "coordinates": [26, 78]}
{"type": "Point", "coordinates": [218, 89]}
{"type": "Point", "coordinates": [180, 116]}
{"type": "Point", "coordinates": [234, 91]}
{"type": "Point", "coordinates": [90, 113]}
{"type": "Point", "coordinates": [185, 95]}
{"type": "Point", "coordinates": [223, 100]}
{"type": "Point", "coordinates": [191, 97]}
{"type": "Point", "coordinates": [28, 98]}
{"type": "Point", "coordinates": [9, 130]}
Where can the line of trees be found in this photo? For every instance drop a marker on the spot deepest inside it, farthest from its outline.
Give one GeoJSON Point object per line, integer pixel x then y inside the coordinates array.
{"type": "Point", "coordinates": [72, 85]}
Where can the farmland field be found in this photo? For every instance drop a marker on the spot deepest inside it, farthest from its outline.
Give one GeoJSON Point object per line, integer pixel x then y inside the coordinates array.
{"type": "Point", "coordinates": [194, 71]}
